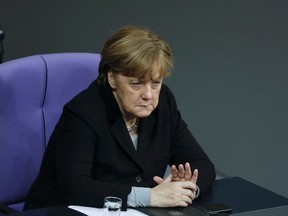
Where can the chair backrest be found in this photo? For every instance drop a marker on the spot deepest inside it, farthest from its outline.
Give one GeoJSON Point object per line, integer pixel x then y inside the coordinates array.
{"type": "Point", "coordinates": [33, 91]}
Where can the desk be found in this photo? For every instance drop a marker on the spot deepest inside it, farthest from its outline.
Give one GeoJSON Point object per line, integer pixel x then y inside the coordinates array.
{"type": "Point", "coordinates": [238, 193]}
{"type": "Point", "coordinates": [242, 195]}
{"type": "Point", "coordinates": [276, 211]}
{"type": "Point", "coordinates": [51, 211]}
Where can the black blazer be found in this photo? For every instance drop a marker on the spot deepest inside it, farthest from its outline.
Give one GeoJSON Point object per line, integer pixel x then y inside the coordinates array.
{"type": "Point", "coordinates": [90, 154]}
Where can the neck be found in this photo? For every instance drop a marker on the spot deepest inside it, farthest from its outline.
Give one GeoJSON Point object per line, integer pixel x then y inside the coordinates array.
{"type": "Point", "coordinates": [129, 119]}
{"type": "Point", "coordinates": [134, 126]}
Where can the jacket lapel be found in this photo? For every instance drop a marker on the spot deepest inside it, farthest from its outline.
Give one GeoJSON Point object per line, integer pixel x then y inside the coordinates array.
{"type": "Point", "coordinates": [118, 128]}
{"type": "Point", "coordinates": [145, 133]}
{"type": "Point", "coordinates": [121, 134]}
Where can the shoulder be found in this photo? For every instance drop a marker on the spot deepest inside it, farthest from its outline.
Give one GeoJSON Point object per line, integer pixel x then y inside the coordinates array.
{"type": "Point", "coordinates": [86, 98]}
{"type": "Point", "coordinates": [88, 104]}
{"type": "Point", "coordinates": [167, 97]}
{"type": "Point", "coordinates": [167, 107]}
{"type": "Point", "coordinates": [165, 89]}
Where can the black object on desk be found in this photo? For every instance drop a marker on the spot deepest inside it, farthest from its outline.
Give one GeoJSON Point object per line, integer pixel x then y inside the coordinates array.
{"type": "Point", "coordinates": [177, 211]}
{"type": "Point", "coordinates": [204, 210]}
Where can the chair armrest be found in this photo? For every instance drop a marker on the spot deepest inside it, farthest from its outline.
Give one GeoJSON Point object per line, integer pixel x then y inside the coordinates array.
{"type": "Point", "coordinates": [6, 210]}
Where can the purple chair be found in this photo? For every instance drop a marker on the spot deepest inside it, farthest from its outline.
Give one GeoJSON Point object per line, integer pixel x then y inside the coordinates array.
{"type": "Point", "coordinates": [33, 91]}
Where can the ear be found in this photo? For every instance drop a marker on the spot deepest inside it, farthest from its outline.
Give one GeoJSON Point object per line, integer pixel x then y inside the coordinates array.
{"type": "Point", "coordinates": [111, 79]}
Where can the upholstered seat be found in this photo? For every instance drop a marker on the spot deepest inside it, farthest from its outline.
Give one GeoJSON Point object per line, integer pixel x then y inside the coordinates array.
{"type": "Point", "coordinates": [33, 91]}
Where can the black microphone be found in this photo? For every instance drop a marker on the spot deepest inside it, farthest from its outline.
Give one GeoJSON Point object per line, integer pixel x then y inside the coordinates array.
{"type": "Point", "coordinates": [2, 36]}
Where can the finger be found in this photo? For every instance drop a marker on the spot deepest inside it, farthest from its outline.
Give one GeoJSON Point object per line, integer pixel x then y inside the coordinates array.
{"type": "Point", "coordinates": [195, 176]}
{"type": "Point", "coordinates": [187, 185]}
{"type": "Point", "coordinates": [181, 171]}
{"type": "Point", "coordinates": [187, 199]}
{"type": "Point", "coordinates": [174, 172]}
{"type": "Point", "coordinates": [188, 173]}
{"type": "Point", "coordinates": [182, 201]}
{"type": "Point", "coordinates": [158, 179]}
{"type": "Point", "coordinates": [189, 193]}
{"type": "Point", "coordinates": [182, 204]}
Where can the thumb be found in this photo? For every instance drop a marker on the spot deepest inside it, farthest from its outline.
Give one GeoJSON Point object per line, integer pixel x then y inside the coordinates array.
{"type": "Point", "coordinates": [159, 180]}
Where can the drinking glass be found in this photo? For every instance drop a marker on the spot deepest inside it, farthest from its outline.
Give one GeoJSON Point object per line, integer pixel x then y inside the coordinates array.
{"type": "Point", "coordinates": [112, 206]}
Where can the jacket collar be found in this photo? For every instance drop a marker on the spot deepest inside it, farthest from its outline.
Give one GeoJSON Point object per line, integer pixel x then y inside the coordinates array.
{"type": "Point", "coordinates": [119, 130]}
{"type": "Point", "coordinates": [112, 106]}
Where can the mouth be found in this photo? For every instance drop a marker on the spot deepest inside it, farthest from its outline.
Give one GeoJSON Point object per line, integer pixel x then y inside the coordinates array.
{"type": "Point", "coordinates": [145, 105]}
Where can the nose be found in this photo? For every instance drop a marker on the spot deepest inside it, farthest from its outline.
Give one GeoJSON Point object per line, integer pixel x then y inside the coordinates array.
{"type": "Point", "coordinates": [147, 92]}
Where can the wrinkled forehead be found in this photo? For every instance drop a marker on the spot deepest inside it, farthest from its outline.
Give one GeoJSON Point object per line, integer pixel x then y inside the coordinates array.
{"type": "Point", "coordinates": [154, 72]}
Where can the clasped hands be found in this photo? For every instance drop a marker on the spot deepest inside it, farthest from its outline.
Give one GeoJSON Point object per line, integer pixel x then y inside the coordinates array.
{"type": "Point", "coordinates": [178, 189]}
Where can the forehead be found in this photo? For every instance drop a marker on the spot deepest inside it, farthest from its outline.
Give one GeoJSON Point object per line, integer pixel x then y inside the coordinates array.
{"type": "Point", "coordinates": [155, 72]}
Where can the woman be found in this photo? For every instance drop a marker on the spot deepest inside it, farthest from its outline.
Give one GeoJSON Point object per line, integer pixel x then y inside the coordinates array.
{"type": "Point", "coordinates": [118, 136]}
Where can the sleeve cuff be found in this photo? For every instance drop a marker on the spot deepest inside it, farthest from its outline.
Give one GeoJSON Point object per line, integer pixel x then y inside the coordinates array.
{"type": "Point", "coordinates": [197, 192]}
{"type": "Point", "coordinates": [139, 197]}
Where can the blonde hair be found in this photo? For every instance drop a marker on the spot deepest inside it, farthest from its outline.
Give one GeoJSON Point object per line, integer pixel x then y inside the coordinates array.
{"type": "Point", "coordinates": [133, 51]}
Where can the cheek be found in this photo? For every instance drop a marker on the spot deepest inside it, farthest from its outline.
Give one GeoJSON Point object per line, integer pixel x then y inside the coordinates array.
{"type": "Point", "coordinates": [155, 99]}
{"type": "Point", "coordinates": [131, 100]}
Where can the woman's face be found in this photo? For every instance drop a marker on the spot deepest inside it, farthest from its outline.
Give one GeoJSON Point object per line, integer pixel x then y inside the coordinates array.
{"type": "Point", "coordinates": [136, 98]}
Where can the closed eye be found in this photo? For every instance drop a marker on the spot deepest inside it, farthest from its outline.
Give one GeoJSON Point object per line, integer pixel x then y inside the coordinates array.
{"type": "Point", "coordinates": [135, 84]}
{"type": "Point", "coordinates": [156, 84]}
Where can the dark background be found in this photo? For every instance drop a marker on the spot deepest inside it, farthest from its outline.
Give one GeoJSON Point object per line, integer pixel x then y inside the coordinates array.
{"type": "Point", "coordinates": [230, 77]}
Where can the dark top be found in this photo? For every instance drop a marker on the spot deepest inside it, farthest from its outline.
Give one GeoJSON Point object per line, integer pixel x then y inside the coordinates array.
{"type": "Point", "coordinates": [90, 153]}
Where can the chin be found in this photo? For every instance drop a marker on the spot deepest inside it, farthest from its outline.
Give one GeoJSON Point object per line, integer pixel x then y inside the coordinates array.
{"type": "Point", "coordinates": [143, 114]}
